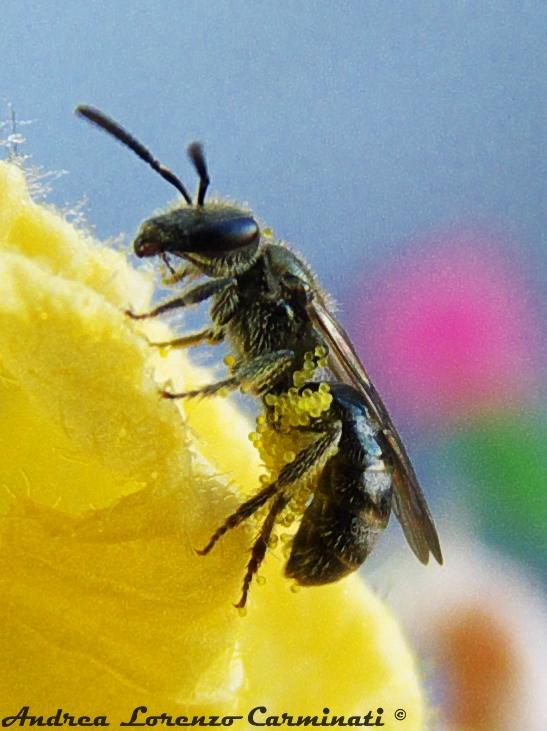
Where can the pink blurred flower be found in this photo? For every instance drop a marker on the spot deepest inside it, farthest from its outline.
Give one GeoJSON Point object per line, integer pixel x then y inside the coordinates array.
{"type": "Point", "coordinates": [449, 327]}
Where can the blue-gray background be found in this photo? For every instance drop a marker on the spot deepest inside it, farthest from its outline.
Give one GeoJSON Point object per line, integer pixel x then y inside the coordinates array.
{"type": "Point", "coordinates": [347, 126]}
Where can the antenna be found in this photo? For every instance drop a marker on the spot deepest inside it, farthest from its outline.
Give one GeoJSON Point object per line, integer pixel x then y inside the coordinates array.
{"type": "Point", "coordinates": [101, 120]}
{"type": "Point", "coordinates": [195, 153]}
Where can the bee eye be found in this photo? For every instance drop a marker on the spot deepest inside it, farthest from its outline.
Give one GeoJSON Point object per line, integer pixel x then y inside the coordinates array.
{"type": "Point", "coordinates": [223, 236]}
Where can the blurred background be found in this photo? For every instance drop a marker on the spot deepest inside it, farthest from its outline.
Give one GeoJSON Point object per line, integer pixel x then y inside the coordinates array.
{"type": "Point", "coordinates": [401, 148]}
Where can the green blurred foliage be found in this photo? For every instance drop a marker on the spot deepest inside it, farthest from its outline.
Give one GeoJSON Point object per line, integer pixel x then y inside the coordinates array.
{"type": "Point", "coordinates": [503, 458]}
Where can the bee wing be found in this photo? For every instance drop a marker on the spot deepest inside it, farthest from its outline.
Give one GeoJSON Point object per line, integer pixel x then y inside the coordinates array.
{"type": "Point", "coordinates": [410, 505]}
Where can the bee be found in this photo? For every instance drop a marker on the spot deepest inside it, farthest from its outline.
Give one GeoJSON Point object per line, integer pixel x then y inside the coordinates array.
{"type": "Point", "coordinates": [350, 468]}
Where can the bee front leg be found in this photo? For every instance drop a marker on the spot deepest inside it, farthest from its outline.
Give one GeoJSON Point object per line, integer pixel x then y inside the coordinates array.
{"type": "Point", "coordinates": [192, 296]}
{"type": "Point", "coordinates": [174, 277]}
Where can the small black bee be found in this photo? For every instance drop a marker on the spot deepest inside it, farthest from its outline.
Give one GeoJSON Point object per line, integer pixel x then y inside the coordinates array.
{"type": "Point", "coordinates": [353, 467]}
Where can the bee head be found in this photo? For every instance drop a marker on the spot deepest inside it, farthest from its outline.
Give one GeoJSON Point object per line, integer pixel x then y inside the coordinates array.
{"type": "Point", "coordinates": [214, 236]}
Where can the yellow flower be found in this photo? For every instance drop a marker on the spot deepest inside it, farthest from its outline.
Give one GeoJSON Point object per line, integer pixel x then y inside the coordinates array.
{"type": "Point", "coordinates": [107, 489]}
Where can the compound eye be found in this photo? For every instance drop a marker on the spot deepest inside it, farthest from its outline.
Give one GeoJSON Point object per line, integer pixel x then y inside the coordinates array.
{"type": "Point", "coordinates": [224, 236]}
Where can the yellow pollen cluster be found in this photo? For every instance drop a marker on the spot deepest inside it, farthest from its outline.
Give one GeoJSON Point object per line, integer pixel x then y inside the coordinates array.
{"type": "Point", "coordinates": [312, 361]}
{"type": "Point", "coordinates": [281, 434]}
{"type": "Point", "coordinates": [297, 408]}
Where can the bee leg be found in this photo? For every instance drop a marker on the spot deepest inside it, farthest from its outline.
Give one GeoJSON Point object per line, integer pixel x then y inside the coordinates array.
{"type": "Point", "coordinates": [261, 544]}
{"type": "Point", "coordinates": [167, 263]}
{"type": "Point", "coordinates": [245, 510]}
{"type": "Point", "coordinates": [256, 376]}
{"type": "Point", "coordinates": [175, 276]}
{"type": "Point", "coordinates": [259, 375]}
{"type": "Point", "coordinates": [208, 335]}
{"type": "Point", "coordinates": [307, 462]}
{"type": "Point", "coordinates": [310, 460]}
{"type": "Point", "coordinates": [311, 455]}
{"type": "Point", "coordinates": [192, 296]}
{"type": "Point", "coordinates": [228, 384]}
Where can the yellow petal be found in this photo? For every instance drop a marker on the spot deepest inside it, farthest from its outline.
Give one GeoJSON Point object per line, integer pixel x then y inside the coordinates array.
{"type": "Point", "coordinates": [106, 492]}
{"type": "Point", "coordinates": [335, 647]}
{"type": "Point", "coordinates": [102, 591]}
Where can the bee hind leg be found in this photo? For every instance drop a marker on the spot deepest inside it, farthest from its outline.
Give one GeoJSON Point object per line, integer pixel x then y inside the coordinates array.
{"type": "Point", "coordinates": [307, 462]}
{"type": "Point", "coordinates": [260, 546]}
{"type": "Point", "coordinates": [244, 511]}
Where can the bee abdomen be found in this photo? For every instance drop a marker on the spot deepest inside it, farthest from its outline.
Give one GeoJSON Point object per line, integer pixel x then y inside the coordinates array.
{"type": "Point", "coordinates": [337, 533]}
